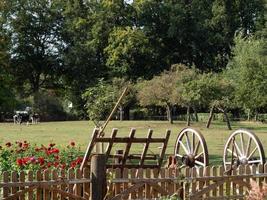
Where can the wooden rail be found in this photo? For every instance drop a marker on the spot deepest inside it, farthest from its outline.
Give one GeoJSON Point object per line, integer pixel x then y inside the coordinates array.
{"type": "Point", "coordinates": [186, 183]}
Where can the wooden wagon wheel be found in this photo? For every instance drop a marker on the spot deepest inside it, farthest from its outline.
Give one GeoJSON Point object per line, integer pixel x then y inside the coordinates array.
{"type": "Point", "coordinates": [191, 149]}
{"type": "Point", "coordinates": [243, 147]}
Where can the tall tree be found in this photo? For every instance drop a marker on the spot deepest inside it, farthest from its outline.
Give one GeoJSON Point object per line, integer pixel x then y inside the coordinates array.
{"type": "Point", "coordinates": [248, 72]}
{"type": "Point", "coordinates": [33, 28]}
{"type": "Point", "coordinates": [161, 91]}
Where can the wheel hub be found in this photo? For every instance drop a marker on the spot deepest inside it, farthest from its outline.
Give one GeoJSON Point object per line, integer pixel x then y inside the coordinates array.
{"type": "Point", "coordinates": [188, 160]}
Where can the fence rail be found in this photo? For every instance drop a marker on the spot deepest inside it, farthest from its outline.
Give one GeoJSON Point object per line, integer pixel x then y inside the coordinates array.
{"type": "Point", "coordinates": [187, 183]}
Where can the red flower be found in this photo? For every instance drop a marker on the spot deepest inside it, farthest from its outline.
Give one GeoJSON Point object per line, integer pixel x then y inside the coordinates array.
{"type": "Point", "coordinates": [56, 157]}
{"type": "Point", "coordinates": [41, 160]}
{"type": "Point", "coordinates": [8, 144]}
{"type": "Point", "coordinates": [49, 164]}
{"type": "Point", "coordinates": [79, 160]}
{"type": "Point", "coordinates": [19, 162]}
{"type": "Point", "coordinates": [56, 164]}
{"type": "Point", "coordinates": [25, 145]}
{"type": "Point", "coordinates": [33, 159]}
{"type": "Point", "coordinates": [73, 164]}
{"type": "Point", "coordinates": [53, 151]}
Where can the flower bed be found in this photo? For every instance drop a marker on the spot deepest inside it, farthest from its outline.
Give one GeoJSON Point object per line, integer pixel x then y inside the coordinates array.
{"type": "Point", "coordinates": [23, 156]}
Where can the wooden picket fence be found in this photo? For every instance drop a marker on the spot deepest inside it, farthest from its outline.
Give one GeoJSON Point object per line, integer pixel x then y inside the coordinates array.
{"type": "Point", "coordinates": [188, 183]}
{"type": "Point", "coordinates": [46, 185]}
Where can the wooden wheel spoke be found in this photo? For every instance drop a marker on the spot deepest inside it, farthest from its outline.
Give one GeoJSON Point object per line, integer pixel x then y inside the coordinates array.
{"type": "Point", "coordinates": [196, 149]}
{"type": "Point", "coordinates": [182, 166]}
{"type": "Point", "coordinates": [193, 142]}
{"type": "Point", "coordinates": [183, 146]}
{"type": "Point", "coordinates": [254, 161]}
{"type": "Point", "coordinates": [188, 143]}
{"type": "Point", "coordinates": [237, 149]}
{"type": "Point", "coordinates": [242, 143]}
{"type": "Point", "coordinates": [178, 155]}
{"type": "Point", "coordinates": [251, 154]}
{"type": "Point", "coordinates": [199, 163]}
{"type": "Point", "coordinates": [202, 153]}
{"type": "Point", "coordinates": [230, 151]}
{"type": "Point", "coordinates": [248, 146]}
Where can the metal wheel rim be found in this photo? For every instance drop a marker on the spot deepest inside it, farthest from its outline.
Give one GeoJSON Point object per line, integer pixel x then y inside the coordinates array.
{"type": "Point", "coordinates": [242, 153]}
{"type": "Point", "coordinates": [202, 145]}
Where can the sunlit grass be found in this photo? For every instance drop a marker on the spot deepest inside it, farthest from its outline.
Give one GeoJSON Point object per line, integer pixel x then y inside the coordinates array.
{"type": "Point", "coordinates": [62, 133]}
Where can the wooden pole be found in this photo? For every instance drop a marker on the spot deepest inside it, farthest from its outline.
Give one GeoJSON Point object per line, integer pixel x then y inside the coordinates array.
{"type": "Point", "coordinates": [112, 112]}
{"type": "Point", "coordinates": [98, 187]}
{"type": "Point", "coordinates": [100, 146]}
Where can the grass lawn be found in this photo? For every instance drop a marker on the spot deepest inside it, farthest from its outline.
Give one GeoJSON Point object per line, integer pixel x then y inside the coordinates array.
{"type": "Point", "coordinates": [62, 133]}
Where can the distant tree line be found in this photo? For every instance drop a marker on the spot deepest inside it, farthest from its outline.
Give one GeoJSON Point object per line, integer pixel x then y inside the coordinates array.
{"type": "Point", "coordinates": [197, 54]}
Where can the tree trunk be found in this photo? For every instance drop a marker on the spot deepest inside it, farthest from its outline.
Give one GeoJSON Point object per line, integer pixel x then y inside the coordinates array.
{"type": "Point", "coordinates": [195, 113]}
{"type": "Point", "coordinates": [169, 113]}
{"type": "Point", "coordinates": [126, 113]}
{"type": "Point", "coordinates": [121, 113]}
{"type": "Point", "coordinates": [256, 115]}
{"type": "Point", "coordinates": [227, 120]}
{"type": "Point", "coordinates": [248, 114]}
{"type": "Point", "coordinates": [210, 116]}
{"type": "Point", "coordinates": [188, 116]}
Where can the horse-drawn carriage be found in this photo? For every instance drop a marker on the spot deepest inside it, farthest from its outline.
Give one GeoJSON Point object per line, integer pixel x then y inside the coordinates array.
{"type": "Point", "coordinates": [26, 117]}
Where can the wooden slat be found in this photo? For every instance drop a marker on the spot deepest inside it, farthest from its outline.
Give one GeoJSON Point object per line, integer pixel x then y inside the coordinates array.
{"type": "Point", "coordinates": [164, 147]}
{"type": "Point", "coordinates": [186, 185]}
{"type": "Point", "coordinates": [141, 189]}
{"type": "Point", "coordinates": [194, 184]}
{"type": "Point", "coordinates": [39, 193]}
{"type": "Point", "coordinates": [147, 186]}
{"type": "Point", "coordinates": [207, 173]}
{"type": "Point", "coordinates": [71, 175]}
{"type": "Point", "coordinates": [125, 174]}
{"type": "Point", "coordinates": [170, 184]}
{"type": "Point", "coordinates": [132, 140]}
{"type": "Point", "coordinates": [233, 184]}
{"type": "Point", "coordinates": [22, 179]}
{"type": "Point", "coordinates": [221, 172]}
{"type": "Point", "coordinates": [241, 171]}
{"type": "Point", "coordinates": [54, 177]}
{"type": "Point", "coordinates": [154, 193]}
{"type": "Point", "coordinates": [86, 186]}
{"type": "Point", "coordinates": [162, 175]}
{"type": "Point", "coordinates": [78, 189]}
{"type": "Point", "coordinates": [6, 180]}
{"type": "Point", "coordinates": [14, 178]}
{"type": "Point", "coordinates": [90, 148]}
{"type": "Point", "coordinates": [145, 149]}
{"type": "Point", "coordinates": [261, 170]}
{"type": "Point", "coordinates": [200, 183]}
{"type": "Point", "coordinates": [63, 186]}
{"type": "Point", "coordinates": [46, 191]}
{"type": "Point", "coordinates": [30, 178]}
{"type": "Point", "coordinates": [133, 174]}
{"type": "Point", "coordinates": [214, 170]}
{"type": "Point", "coordinates": [265, 171]}
{"type": "Point", "coordinates": [117, 185]}
{"type": "Point", "coordinates": [110, 144]}
{"type": "Point", "coordinates": [128, 147]}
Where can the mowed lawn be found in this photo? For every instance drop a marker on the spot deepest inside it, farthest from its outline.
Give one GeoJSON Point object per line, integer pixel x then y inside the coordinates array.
{"type": "Point", "coordinates": [62, 133]}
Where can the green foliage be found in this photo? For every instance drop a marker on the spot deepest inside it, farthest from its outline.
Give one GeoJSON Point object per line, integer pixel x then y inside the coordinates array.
{"type": "Point", "coordinates": [248, 71]}
{"type": "Point", "coordinates": [99, 101]}
{"type": "Point", "coordinates": [128, 53]}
